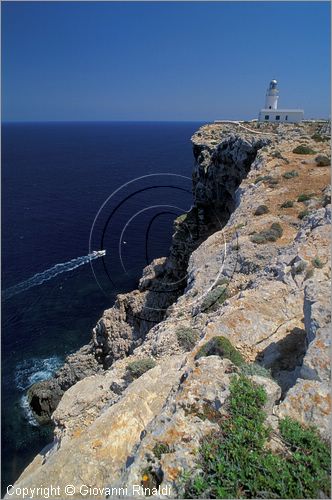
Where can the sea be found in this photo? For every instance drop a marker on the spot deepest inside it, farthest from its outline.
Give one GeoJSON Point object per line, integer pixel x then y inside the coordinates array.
{"type": "Point", "coordinates": [68, 190]}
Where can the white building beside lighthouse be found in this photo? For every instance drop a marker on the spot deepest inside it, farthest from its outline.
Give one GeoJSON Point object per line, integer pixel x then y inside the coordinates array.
{"type": "Point", "coordinates": [271, 113]}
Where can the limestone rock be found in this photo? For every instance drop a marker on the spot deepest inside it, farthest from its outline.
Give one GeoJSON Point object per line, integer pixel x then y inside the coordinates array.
{"type": "Point", "coordinates": [95, 456]}
{"type": "Point", "coordinates": [44, 396]}
{"type": "Point", "coordinates": [309, 402]}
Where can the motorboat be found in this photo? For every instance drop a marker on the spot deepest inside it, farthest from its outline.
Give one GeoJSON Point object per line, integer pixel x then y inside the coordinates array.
{"type": "Point", "coordinates": [98, 253]}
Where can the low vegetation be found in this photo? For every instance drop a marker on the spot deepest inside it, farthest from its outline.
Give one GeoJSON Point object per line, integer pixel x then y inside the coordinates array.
{"type": "Point", "coordinates": [221, 346]}
{"type": "Point", "coordinates": [287, 204]}
{"type": "Point", "coordinates": [319, 138]}
{"type": "Point", "coordinates": [303, 214]}
{"type": "Point", "coordinates": [316, 262]}
{"type": "Point", "coordinates": [234, 462]}
{"type": "Point", "coordinates": [137, 368]}
{"type": "Point", "coordinates": [277, 154]}
{"type": "Point", "coordinates": [305, 197]}
{"type": "Point", "coordinates": [322, 161]}
{"type": "Point", "coordinates": [215, 298]}
{"type": "Point", "coordinates": [261, 210]}
{"type": "Point", "coordinates": [272, 234]}
{"type": "Point", "coordinates": [300, 268]}
{"type": "Point", "coordinates": [255, 369]}
{"type": "Point", "coordinates": [291, 174]}
{"type": "Point", "coordinates": [271, 181]}
{"type": "Point", "coordinates": [303, 150]}
{"type": "Point", "coordinates": [186, 337]}
{"type": "Point", "coordinates": [161, 449]}
{"type": "Point", "coordinates": [309, 274]}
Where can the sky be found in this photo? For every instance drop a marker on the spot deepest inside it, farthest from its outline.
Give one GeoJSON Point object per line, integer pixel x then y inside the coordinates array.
{"type": "Point", "coordinates": [87, 61]}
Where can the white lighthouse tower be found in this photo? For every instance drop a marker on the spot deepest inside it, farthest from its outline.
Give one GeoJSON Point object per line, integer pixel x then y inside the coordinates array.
{"type": "Point", "coordinates": [271, 113]}
{"type": "Point", "coordinates": [272, 96]}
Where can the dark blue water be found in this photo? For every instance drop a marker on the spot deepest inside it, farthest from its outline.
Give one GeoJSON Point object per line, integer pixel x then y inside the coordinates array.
{"type": "Point", "coordinates": [55, 179]}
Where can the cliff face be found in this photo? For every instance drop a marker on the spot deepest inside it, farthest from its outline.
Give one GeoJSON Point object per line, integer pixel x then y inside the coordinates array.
{"type": "Point", "coordinates": [125, 326]}
{"type": "Point", "coordinates": [256, 270]}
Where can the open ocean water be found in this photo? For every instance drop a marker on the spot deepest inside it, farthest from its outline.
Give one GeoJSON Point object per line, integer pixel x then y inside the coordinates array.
{"type": "Point", "coordinates": [55, 180]}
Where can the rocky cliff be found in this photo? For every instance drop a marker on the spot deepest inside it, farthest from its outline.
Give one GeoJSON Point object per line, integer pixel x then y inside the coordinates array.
{"type": "Point", "coordinates": [252, 264]}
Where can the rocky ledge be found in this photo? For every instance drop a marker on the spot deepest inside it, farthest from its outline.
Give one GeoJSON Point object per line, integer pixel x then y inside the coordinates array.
{"type": "Point", "coordinates": [253, 260]}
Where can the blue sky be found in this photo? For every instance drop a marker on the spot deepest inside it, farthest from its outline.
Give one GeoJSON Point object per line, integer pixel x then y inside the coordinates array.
{"type": "Point", "coordinates": [162, 61]}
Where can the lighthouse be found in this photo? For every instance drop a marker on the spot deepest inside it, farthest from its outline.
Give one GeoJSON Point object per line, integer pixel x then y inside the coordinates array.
{"type": "Point", "coordinates": [271, 113]}
{"type": "Point", "coordinates": [272, 96]}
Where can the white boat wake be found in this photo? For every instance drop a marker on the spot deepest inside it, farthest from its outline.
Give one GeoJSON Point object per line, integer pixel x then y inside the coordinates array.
{"type": "Point", "coordinates": [40, 278]}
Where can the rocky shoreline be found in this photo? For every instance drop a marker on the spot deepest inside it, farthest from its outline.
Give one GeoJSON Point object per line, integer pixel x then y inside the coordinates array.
{"type": "Point", "coordinates": [251, 262]}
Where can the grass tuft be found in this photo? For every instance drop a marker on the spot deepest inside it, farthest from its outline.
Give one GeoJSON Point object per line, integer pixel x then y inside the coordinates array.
{"type": "Point", "coordinates": [255, 369]}
{"type": "Point", "coordinates": [137, 368]}
{"type": "Point", "coordinates": [187, 337]}
{"type": "Point", "coordinates": [215, 298]}
{"type": "Point", "coordinates": [316, 262]}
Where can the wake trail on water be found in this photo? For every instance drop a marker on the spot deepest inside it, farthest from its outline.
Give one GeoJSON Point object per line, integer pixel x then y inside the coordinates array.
{"type": "Point", "coordinates": [40, 278]}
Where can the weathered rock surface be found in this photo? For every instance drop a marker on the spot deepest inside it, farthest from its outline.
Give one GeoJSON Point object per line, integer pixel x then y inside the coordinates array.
{"type": "Point", "coordinates": [274, 309]}
{"type": "Point", "coordinates": [190, 413]}
{"type": "Point", "coordinates": [94, 455]}
{"type": "Point", "coordinates": [44, 396]}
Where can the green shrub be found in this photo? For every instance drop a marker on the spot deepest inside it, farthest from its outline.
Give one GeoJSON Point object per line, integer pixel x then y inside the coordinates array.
{"type": "Point", "coordinates": [221, 346]}
{"type": "Point", "coordinates": [255, 369]}
{"type": "Point", "coordinates": [287, 204]}
{"type": "Point", "coordinates": [305, 197]}
{"type": "Point", "coordinates": [319, 138]}
{"type": "Point", "coordinates": [271, 181]}
{"type": "Point", "coordinates": [316, 262]}
{"type": "Point", "coordinates": [303, 150]}
{"type": "Point", "coordinates": [262, 178]}
{"type": "Point", "coordinates": [276, 227]}
{"type": "Point", "coordinates": [322, 161]}
{"type": "Point", "coordinates": [187, 338]}
{"type": "Point", "coordinates": [234, 463]}
{"type": "Point", "coordinates": [303, 214]}
{"type": "Point", "coordinates": [278, 155]}
{"type": "Point", "coordinates": [215, 298]}
{"type": "Point", "coordinates": [291, 174]}
{"type": "Point", "coordinates": [262, 209]}
{"type": "Point", "coordinates": [272, 234]}
{"type": "Point", "coordinates": [161, 449]}
{"type": "Point", "coordinates": [137, 368]}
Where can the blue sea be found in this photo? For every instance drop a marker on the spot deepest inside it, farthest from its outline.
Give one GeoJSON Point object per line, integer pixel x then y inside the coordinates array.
{"type": "Point", "coordinates": [69, 189]}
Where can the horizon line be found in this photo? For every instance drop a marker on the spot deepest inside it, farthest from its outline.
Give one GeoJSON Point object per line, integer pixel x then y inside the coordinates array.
{"type": "Point", "coordinates": [8, 122]}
